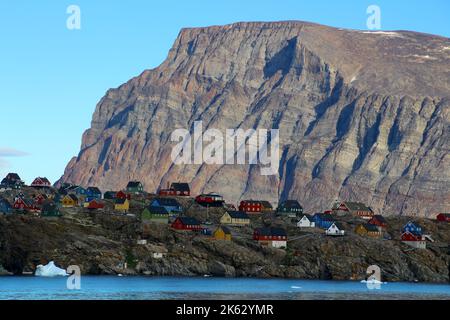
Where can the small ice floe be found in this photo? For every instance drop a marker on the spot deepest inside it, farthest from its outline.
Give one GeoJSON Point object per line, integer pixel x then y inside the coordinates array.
{"type": "Point", "coordinates": [49, 270]}
{"type": "Point", "coordinates": [373, 281]}
{"type": "Point", "coordinates": [295, 287]}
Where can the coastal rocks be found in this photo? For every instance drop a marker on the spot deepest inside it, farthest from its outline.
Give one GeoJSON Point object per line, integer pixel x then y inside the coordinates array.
{"type": "Point", "coordinates": [4, 272]}
{"type": "Point", "coordinates": [96, 250]}
{"type": "Point", "coordinates": [219, 269]}
{"type": "Point", "coordinates": [353, 124]}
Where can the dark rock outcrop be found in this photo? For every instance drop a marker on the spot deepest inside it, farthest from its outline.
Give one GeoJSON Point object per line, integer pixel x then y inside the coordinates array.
{"type": "Point", "coordinates": [102, 243]}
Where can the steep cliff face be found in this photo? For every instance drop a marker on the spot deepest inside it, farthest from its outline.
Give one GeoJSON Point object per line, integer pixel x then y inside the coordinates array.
{"type": "Point", "coordinates": [362, 116]}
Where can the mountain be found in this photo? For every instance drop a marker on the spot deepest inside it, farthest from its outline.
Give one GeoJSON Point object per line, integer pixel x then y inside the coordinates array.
{"type": "Point", "coordinates": [362, 116]}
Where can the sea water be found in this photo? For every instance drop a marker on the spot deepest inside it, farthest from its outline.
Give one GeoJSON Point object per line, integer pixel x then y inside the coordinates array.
{"type": "Point", "coordinates": [145, 288]}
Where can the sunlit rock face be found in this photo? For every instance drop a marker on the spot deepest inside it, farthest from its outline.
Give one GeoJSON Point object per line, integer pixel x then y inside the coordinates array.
{"type": "Point", "coordinates": [362, 116]}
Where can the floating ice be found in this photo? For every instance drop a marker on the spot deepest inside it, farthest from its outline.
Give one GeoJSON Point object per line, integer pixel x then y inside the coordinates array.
{"type": "Point", "coordinates": [372, 281]}
{"type": "Point", "coordinates": [49, 270]}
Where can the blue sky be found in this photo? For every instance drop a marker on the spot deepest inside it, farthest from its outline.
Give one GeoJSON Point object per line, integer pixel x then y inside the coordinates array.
{"type": "Point", "coordinates": [51, 77]}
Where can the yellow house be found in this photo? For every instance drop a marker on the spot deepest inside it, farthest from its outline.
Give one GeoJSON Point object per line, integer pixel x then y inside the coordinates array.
{"type": "Point", "coordinates": [69, 201]}
{"type": "Point", "coordinates": [122, 205]}
{"type": "Point", "coordinates": [235, 218]}
{"type": "Point", "coordinates": [222, 233]}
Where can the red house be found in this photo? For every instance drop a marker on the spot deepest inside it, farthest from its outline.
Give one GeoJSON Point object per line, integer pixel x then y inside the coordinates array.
{"type": "Point", "coordinates": [408, 236]}
{"type": "Point", "coordinates": [378, 220]}
{"type": "Point", "coordinates": [41, 182]}
{"type": "Point", "coordinates": [272, 237]}
{"type": "Point", "coordinates": [269, 234]}
{"type": "Point", "coordinates": [94, 205]}
{"type": "Point", "coordinates": [40, 198]}
{"type": "Point", "coordinates": [444, 217]}
{"type": "Point", "coordinates": [210, 199]}
{"type": "Point", "coordinates": [356, 208]}
{"type": "Point", "coordinates": [181, 189]}
{"type": "Point", "coordinates": [167, 192]}
{"type": "Point", "coordinates": [123, 195]}
{"type": "Point", "coordinates": [250, 206]}
{"type": "Point", "coordinates": [25, 205]}
{"type": "Point", "coordinates": [186, 223]}
{"type": "Point", "coordinates": [413, 240]}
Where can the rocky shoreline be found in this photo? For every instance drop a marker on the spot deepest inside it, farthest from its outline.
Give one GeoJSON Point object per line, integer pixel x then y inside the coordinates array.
{"type": "Point", "coordinates": [103, 243]}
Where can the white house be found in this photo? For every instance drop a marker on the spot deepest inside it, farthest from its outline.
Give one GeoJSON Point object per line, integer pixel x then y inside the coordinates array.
{"type": "Point", "coordinates": [306, 222]}
{"type": "Point", "coordinates": [278, 244]}
{"type": "Point", "coordinates": [335, 230]}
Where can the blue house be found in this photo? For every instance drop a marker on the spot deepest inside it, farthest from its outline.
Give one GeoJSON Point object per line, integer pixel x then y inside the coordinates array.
{"type": "Point", "coordinates": [93, 193]}
{"type": "Point", "coordinates": [413, 228]}
{"type": "Point", "coordinates": [323, 220]}
{"type": "Point", "coordinates": [5, 206]}
{"type": "Point", "coordinates": [171, 205]}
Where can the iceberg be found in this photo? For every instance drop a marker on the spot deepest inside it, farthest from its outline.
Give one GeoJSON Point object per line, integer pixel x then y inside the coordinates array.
{"type": "Point", "coordinates": [49, 270]}
{"type": "Point", "coordinates": [372, 281]}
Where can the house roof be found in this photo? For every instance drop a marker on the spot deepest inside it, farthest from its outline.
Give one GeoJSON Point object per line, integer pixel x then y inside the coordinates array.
{"type": "Point", "coordinates": [94, 190]}
{"type": "Point", "coordinates": [338, 225]}
{"type": "Point", "coordinates": [310, 217]}
{"type": "Point", "coordinates": [212, 194]}
{"type": "Point", "coordinates": [380, 218]}
{"type": "Point", "coordinates": [412, 223]}
{"type": "Point", "coordinates": [266, 204]}
{"type": "Point", "coordinates": [169, 202]}
{"type": "Point", "coordinates": [370, 227]}
{"type": "Point", "coordinates": [12, 179]}
{"type": "Point", "coordinates": [43, 179]}
{"type": "Point", "coordinates": [189, 221]}
{"type": "Point", "coordinates": [252, 201]}
{"type": "Point", "coordinates": [27, 201]}
{"type": "Point", "coordinates": [180, 186]}
{"type": "Point", "coordinates": [225, 229]}
{"type": "Point", "coordinates": [157, 210]}
{"type": "Point", "coordinates": [73, 197]}
{"type": "Point", "coordinates": [12, 176]}
{"type": "Point", "coordinates": [324, 216]}
{"type": "Point", "coordinates": [272, 231]}
{"type": "Point", "coordinates": [74, 188]}
{"type": "Point", "coordinates": [238, 214]}
{"type": "Point", "coordinates": [356, 206]}
{"type": "Point", "coordinates": [120, 200]}
{"type": "Point", "coordinates": [134, 184]}
{"type": "Point", "coordinates": [290, 204]}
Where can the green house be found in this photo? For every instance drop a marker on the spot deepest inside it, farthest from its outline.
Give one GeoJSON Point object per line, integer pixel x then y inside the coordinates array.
{"type": "Point", "coordinates": [290, 208]}
{"type": "Point", "coordinates": [155, 214]}
{"type": "Point", "coordinates": [135, 187]}
{"type": "Point", "coordinates": [50, 209]}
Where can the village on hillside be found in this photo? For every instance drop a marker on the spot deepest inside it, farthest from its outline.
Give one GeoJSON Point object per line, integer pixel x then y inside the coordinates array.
{"type": "Point", "coordinates": [176, 208]}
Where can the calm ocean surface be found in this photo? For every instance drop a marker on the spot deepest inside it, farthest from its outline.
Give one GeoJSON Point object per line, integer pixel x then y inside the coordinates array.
{"type": "Point", "coordinates": [144, 288]}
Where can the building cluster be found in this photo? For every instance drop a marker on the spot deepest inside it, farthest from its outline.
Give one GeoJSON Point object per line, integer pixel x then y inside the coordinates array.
{"type": "Point", "coordinates": [164, 208]}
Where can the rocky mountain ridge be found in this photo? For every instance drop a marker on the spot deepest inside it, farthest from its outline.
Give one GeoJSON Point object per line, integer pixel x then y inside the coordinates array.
{"type": "Point", "coordinates": [362, 116]}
